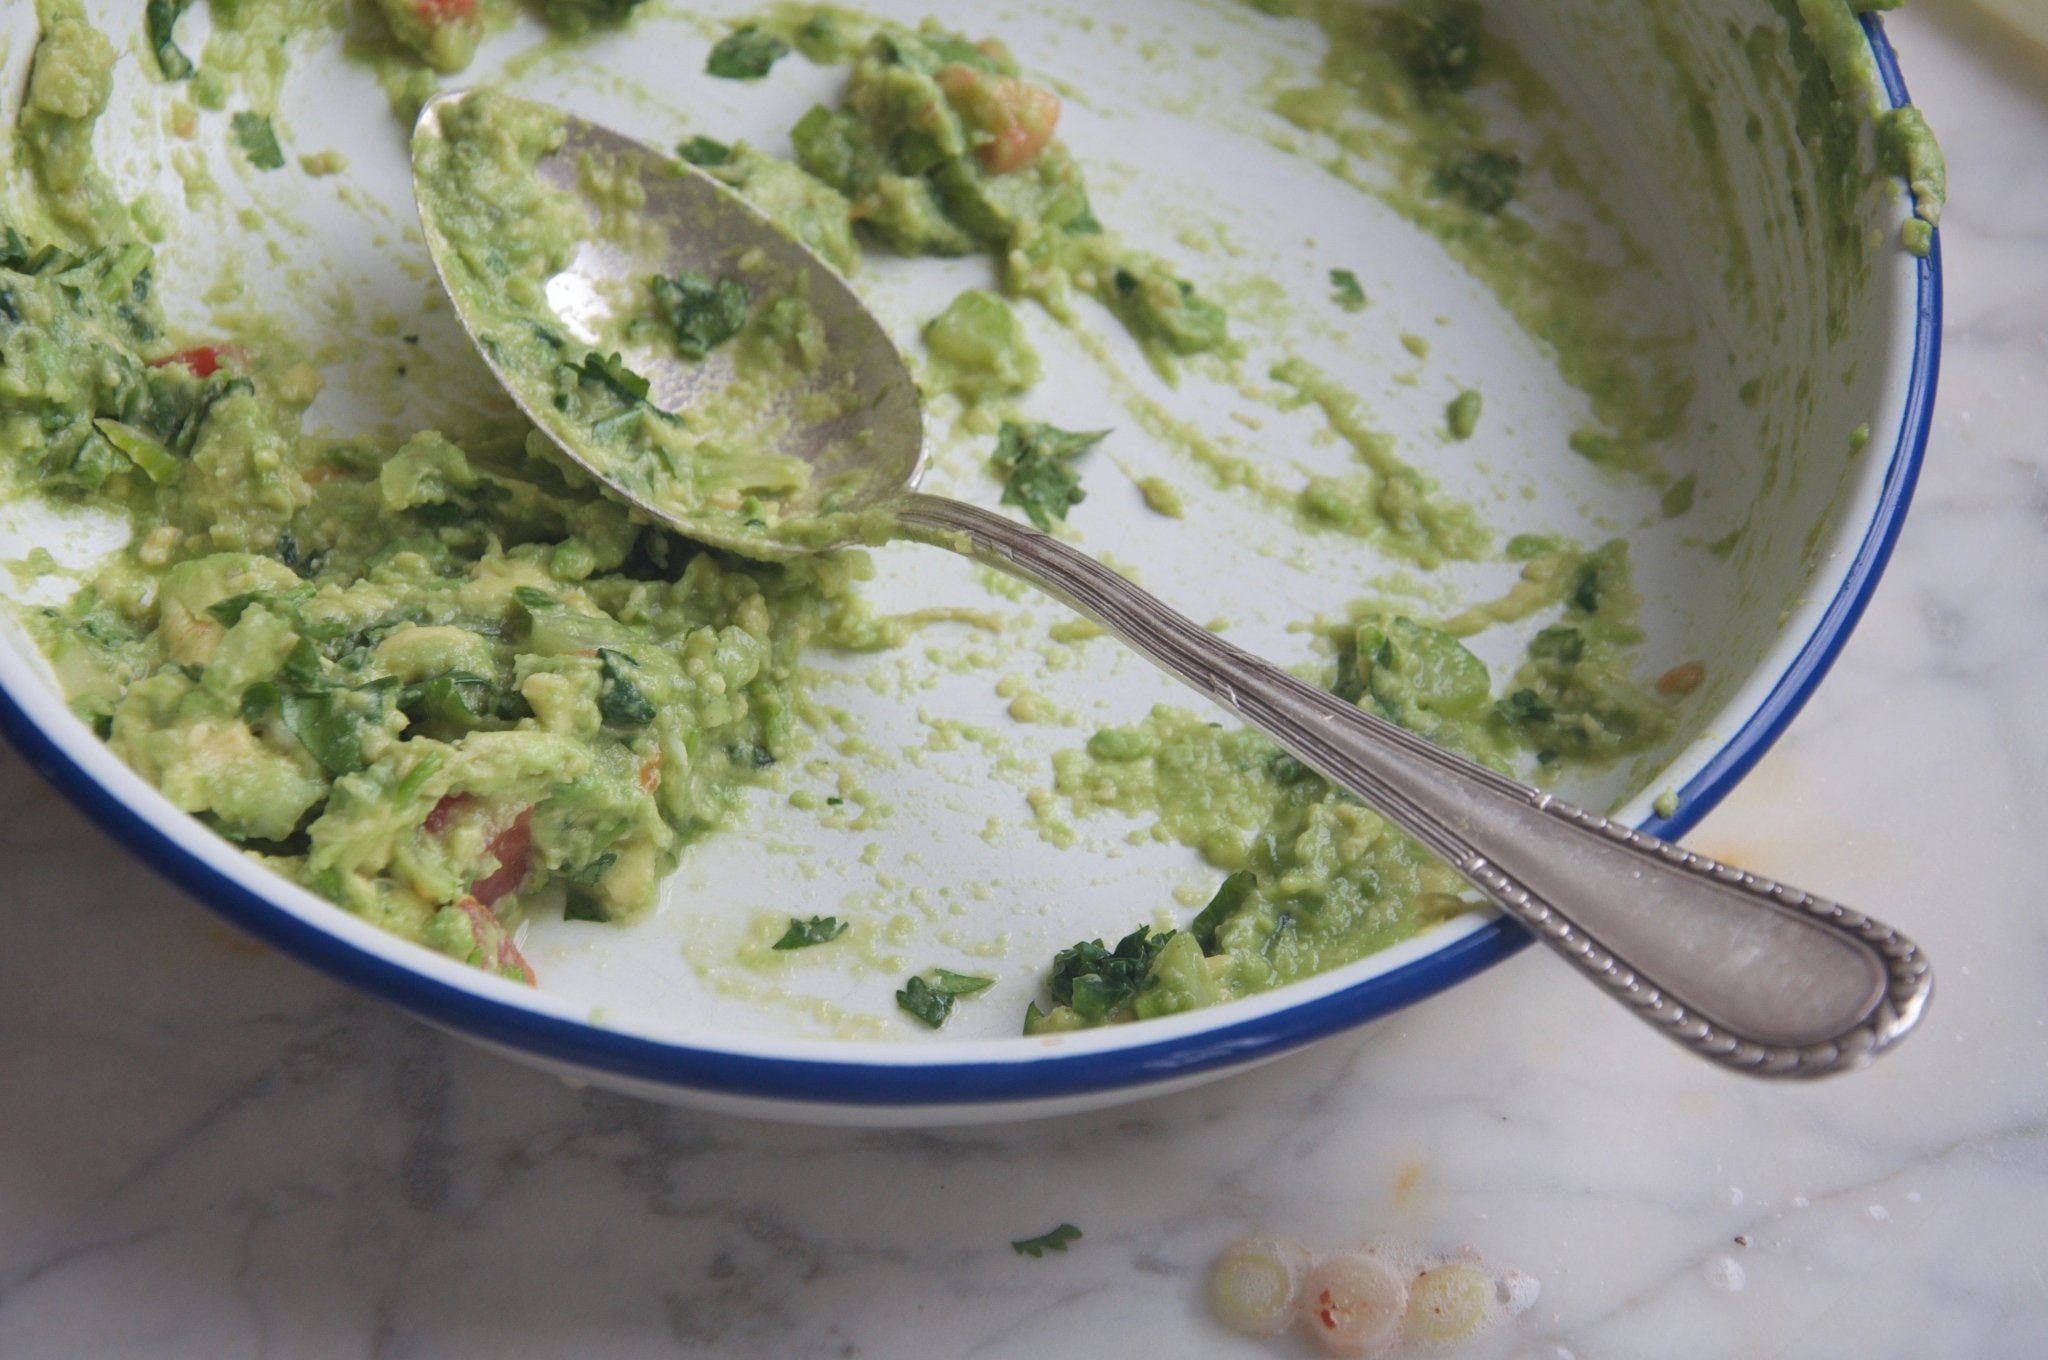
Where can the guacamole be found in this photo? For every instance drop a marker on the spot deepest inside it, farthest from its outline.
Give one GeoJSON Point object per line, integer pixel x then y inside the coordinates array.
{"type": "Point", "coordinates": [442, 681]}
{"type": "Point", "coordinates": [441, 684]}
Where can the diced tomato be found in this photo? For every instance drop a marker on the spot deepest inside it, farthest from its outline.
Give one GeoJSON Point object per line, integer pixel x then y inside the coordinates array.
{"type": "Point", "coordinates": [513, 849]}
{"type": "Point", "coordinates": [203, 360]}
{"type": "Point", "coordinates": [444, 812]}
{"type": "Point", "coordinates": [1015, 119]}
{"type": "Point", "coordinates": [494, 946]}
{"type": "Point", "coordinates": [1682, 680]}
{"type": "Point", "coordinates": [650, 773]}
{"type": "Point", "coordinates": [444, 11]}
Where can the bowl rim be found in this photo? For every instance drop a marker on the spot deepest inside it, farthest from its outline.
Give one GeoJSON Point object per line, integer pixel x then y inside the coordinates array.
{"type": "Point", "coordinates": [1158, 1052]}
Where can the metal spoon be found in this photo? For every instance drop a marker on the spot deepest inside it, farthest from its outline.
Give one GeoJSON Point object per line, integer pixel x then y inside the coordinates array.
{"type": "Point", "coordinates": [1753, 974]}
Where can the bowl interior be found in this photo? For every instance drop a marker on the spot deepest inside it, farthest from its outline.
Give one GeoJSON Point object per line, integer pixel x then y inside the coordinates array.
{"type": "Point", "coordinates": [1694, 268]}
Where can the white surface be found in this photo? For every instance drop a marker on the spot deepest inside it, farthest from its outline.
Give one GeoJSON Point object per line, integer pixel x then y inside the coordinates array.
{"type": "Point", "coordinates": [206, 1151]}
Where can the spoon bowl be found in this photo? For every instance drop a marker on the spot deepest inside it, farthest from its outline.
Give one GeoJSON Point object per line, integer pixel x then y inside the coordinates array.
{"type": "Point", "coordinates": [863, 458]}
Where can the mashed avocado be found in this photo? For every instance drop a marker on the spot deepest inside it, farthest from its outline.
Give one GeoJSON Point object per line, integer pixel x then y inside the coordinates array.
{"type": "Point", "coordinates": [439, 684]}
{"type": "Point", "coordinates": [443, 682]}
{"type": "Point", "coordinates": [1316, 879]}
{"type": "Point", "coordinates": [943, 148]}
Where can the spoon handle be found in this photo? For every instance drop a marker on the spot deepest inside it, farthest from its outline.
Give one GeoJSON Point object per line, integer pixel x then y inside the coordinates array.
{"type": "Point", "coordinates": [1756, 975]}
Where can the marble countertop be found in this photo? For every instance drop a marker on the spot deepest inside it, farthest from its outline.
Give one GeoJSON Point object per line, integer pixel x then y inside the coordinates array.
{"type": "Point", "coordinates": [208, 1151]}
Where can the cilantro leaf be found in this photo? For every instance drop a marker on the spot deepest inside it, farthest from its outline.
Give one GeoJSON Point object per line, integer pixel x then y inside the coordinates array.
{"type": "Point", "coordinates": [926, 1003]}
{"type": "Point", "coordinates": [159, 19]}
{"type": "Point", "coordinates": [1036, 462]}
{"type": "Point", "coordinates": [258, 140]}
{"type": "Point", "coordinates": [587, 875]}
{"type": "Point", "coordinates": [1484, 180]}
{"type": "Point", "coordinates": [1586, 590]}
{"type": "Point", "coordinates": [609, 370]}
{"type": "Point", "coordinates": [577, 17]}
{"type": "Point", "coordinates": [746, 53]}
{"type": "Point", "coordinates": [1056, 1240]}
{"type": "Point", "coordinates": [703, 315]}
{"type": "Point", "coordinates": [931, 998]}
{"type": "Point", "coordinates": [1222, 906]}
{"type": "Point", "coordinates": [229, 611]}
{"type": "Point", "coordinates": [1439, 43]}
{"type": "Point", "coordinates": [582, 907]}
{"type": "Point", "coordinates": [1524, 706]}
{"type": "Point", "coordinates": [959, 984]}
{"type": "Point", "coordinates": [804, 934]}
{"type": "Point", "coordinates": [620, 701]}
{"type": "Point", "coordinates": [532, 598]}
{"type": "Point", "coordinates": [749, 755]}
{"type": "Point", "coordinates": [1346, 291]}
{"type": "Point", "coordinates": [1096, 982]}
{"type": "Point", "coordinates": [461, 702]}
{"type": "Point", "coordinates": [329, 724]}
{"type": "Point", "coordinates": [702, 150]}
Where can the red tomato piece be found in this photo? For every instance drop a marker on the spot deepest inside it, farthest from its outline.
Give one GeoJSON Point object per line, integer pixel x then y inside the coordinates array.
{"type": "Point", "coordinates": [203, 360]}
{"type": "Point", "coordinates": [444, 812]}
{"type": "Point", "coordinates": [494, 946]}
{"type": "Point", "coordinates": [513, 849]}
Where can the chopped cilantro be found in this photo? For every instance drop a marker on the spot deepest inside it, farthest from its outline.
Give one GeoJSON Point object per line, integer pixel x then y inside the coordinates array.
{"type": "Point", "coordinates": [1484, 180]}
{"type": "Point", "coordinates": [327, 718]}
{"type": "Point", "coordinates": [702, 315]}
{"type": "Point", "coordinates": [229, 611]}
{"type": "Point", "coordinates": [583, 907]}
{"type": "Point", "coordinates": [746, 53]}
{"type": "Point", "coordinates": [1346, 291]}
{"type": "Point", "coordinates": [461, 702]}
{"type": "Point", "coordinates": [930, 997]}
{"type": "Point", "coordinates": [1037, 466]}
{"type": "Point", "coordinates": [1439, 43]}
{"type": "Point", "coordinates": [159, 19]}
{"type": "Point", "coordinates": [960, 984]}
{"type": "Point", "coordinates": [1096, 981]}
{"type": "Point", "coordinates": [620, 701]}
{"type": "Point", "coordinates": [588, 875]}
{"type": "Point", "coordinates": [1056, 1240]}
{"type": "Point", "coordinates": [424, 769]}
{"type": "Point", "coordinates": [1524, 706]}
{"type": "Point", "coordinates": [804, 934]}
{"type": "Point", "coordinates": [576, 17]}
{"type": "Point", "coordinates": [1558, 644]}
{"type": "Point", "coordinates": [1222, 906]}
{"type": "Point", "coordinates": [258, 140]}
{"type": "Point", "coordinates": [1586, 590]}
{"type": "Point", "coordinates": [747, 755]}
{"type": "Point", "coordinates": [705, 151]}
{"type": "Point", "coordinates": [609, 370]}
{"type": "Point", "coordinates": [532, 597]}
{"type": "Point", "coordinates": [327, 729]}
{"type": "Point", "coordinates": [1350, 682]}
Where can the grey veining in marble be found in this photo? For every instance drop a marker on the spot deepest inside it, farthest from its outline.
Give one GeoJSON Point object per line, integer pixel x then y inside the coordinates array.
{"type": "Point", "coordinates": [207, 1151]}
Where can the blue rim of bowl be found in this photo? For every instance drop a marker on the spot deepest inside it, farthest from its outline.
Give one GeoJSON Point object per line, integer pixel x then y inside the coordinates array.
{"type": "Point", "coordinates": [1051, 1076]}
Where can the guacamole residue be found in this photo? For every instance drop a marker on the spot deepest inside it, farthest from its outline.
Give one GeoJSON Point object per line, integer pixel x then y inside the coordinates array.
{"type": "Point", "coordinates": [440, 680]}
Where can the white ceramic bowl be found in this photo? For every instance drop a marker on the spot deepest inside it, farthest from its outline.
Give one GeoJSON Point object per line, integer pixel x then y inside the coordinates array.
{"type": "Point", "coordinates": [1168, 121]}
